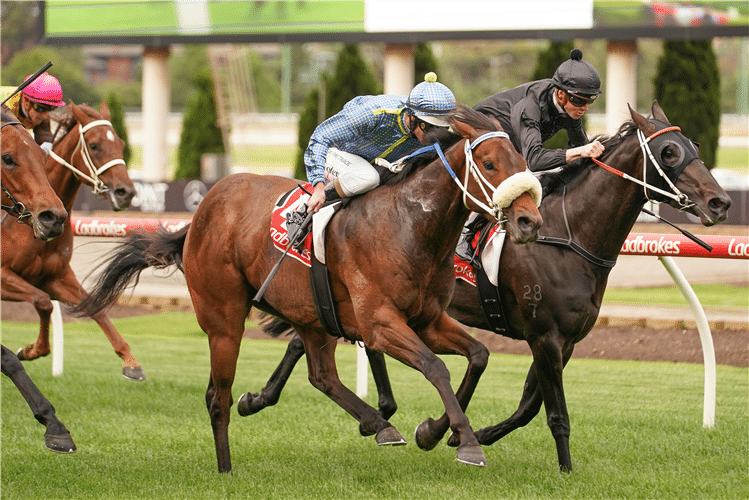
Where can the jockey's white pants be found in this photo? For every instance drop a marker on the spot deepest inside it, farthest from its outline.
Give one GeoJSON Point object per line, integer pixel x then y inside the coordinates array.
{"type": "Point", "coordinates": [355, 174]}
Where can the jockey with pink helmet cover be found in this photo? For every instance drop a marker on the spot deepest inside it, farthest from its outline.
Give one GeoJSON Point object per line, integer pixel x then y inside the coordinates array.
{"type": "Point", "coordinates": [32, 106]}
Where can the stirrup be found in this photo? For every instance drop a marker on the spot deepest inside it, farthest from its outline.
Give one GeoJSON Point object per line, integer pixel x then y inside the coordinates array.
{"type": "Point", "coordinates": [298, 227]}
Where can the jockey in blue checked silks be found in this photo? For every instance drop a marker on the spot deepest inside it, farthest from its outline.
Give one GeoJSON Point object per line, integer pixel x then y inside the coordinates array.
{"type": "Point", "coordinates": [371, 129]}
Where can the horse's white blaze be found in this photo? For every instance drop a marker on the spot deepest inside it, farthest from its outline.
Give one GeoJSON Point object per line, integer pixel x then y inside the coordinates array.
{"type": "Point", "coordinates": [110, 135]}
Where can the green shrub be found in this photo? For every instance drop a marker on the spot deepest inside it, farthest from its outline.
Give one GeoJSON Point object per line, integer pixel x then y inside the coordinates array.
{"type": "Point", "coordinates": [200, 131]}
{"type": "Point", "coordinates": [687, 86]}
{"type": "Point", "coordinates": [117, 118]}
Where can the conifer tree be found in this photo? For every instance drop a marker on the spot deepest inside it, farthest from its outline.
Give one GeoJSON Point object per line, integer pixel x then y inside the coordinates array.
{"type": "Point", "coordinates": [687, 86]}
{"type": "Point", "coordinates": [424, 62]}
{"type": "Point", "coordinates": [548, 62]}
{"type": "Point", "coordinates": [200, 131]}
{"type": "Point", "coordinates": [117, 118]}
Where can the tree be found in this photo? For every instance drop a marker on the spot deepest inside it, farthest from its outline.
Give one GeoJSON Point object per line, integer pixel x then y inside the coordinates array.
{"type": "Point", "coordinates": [547, 63]}
{"type": "Point", "coordinates": [352, 78]}
{"type": "Point", "coordinates": [117, 118]}
{"type": "Point", "coordinates": [687, 86]}
{"type": "Point", "coordinates": [424, 62]}
{"type": "Point", "coordinates": [200, 132]}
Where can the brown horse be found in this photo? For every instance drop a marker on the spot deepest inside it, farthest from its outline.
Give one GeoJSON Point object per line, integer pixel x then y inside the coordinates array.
{"type": "Point", "coordinates": [37, 271]}
{"type": "Point", "coordinates": [389, 254]}
{"type": "Point", "coordinates": [552, 293]}
{"type": "Point", "coordinates": [27, 195]}
{"type": "Point", "coordinates": [34, 202]}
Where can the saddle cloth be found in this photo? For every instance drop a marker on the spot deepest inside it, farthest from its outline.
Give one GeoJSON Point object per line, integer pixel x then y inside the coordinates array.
{"type": "Point", "coordinates": [294, 201]}
{"type": "Point", "coordinates": [489, 257]}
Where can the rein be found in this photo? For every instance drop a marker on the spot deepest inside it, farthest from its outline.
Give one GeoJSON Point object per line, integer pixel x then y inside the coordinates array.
{"type": "Point", "coordinates": [98, 185]}
{"type": "Point", "coordinates": [675, 195]}
{"type": "Point", "coordinates": [17, 208]}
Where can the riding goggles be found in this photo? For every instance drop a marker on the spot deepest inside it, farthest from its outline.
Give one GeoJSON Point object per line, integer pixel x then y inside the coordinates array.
{"type": "Point", "coordinates": [580, 101]}
{"type": "Point", "coordinates": [41, 108]}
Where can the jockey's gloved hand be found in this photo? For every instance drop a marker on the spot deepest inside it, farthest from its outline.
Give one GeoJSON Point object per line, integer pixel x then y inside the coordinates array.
{"type": "Point", "coordinates": [47, 147]}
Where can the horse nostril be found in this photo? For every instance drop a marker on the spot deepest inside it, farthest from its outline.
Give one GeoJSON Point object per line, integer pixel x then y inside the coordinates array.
{"type": "Point", "coordinates": [719, 205]}
{"type": "Point", "coordinates": [124, 194]}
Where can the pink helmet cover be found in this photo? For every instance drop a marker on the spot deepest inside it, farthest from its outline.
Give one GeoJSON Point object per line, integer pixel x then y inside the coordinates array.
{"type": "Point", "coordinates": [44, 90]}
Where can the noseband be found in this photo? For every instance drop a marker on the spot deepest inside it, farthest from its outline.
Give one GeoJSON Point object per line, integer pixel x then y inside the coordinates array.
{"type": "Point", "coordinates": [98, 185]}
{"type": "Point", "coordinates": [17, 208]}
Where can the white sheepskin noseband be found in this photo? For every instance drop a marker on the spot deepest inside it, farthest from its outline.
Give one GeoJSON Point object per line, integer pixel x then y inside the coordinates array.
{"type": "Point", "coordinates": [514, 186]}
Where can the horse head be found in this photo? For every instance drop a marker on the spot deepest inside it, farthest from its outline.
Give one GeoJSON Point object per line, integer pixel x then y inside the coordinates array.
{"type": "Point", "coordinates": [675, 168]}
{"type": "Point", "coordinates": [96, 152]}
{"type": "Point", "coordinates": [494, 164]}
{"type": "Point", "coordinates": [25, 185]}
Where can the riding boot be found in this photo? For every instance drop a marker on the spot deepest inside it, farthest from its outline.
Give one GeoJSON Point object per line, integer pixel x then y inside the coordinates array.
{"type": "Point", "coordinates": [331, 192]}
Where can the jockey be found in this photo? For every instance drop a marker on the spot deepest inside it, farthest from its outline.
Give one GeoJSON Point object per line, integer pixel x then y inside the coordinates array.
{"type": "Point", "coordinates": [533, 112]}
{"type": "Point", "coordinates": [32, 106]}
{"type": "Point", "coordinates": [343, 147]}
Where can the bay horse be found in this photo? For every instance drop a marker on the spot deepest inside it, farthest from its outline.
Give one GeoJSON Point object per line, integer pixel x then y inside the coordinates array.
{"type": "Point", "coordinates": [34, 203]}
{"type": "Point", "coordinates": [552, 293]}
{"type": "Point", "coordinates": [389, 255]}
{"type": "Point", "coordinates": [27, 195]}
{"type": "Point", "coordinates": [34, 271]}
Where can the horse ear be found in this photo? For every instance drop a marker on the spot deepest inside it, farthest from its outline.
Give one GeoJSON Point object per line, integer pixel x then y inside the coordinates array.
{"type": "Point", "coordinates": [77, 112]}
{"type": "Point", "coordinates": [658, 113]}
{"type": "Point", "coordinates": [104, 110]}
{"type": "Point", "coordinates": [463, 129]}
{"type": "Point", "coordinates": [641, 122]}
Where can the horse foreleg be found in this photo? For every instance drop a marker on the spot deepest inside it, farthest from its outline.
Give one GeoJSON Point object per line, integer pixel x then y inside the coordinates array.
{"type": "Point", "coordinates": [528, 408]}
{"type": "Point", "coordinates": [549, 358]}
{"type": "Point", "coordinates": [448, 337]}
{"type": "Point", "coordinates": [251, 403]}
{"type": "Point", "coordinates": [323, 375]}
{"type": "Point", "coordinates": [17, 289]}
{"type": "Point", "coordinates": [392, 335]}
{"type": "Point", "coordinates": [385, 401]}
{"type": "Point", "coordinates": [57, 437]}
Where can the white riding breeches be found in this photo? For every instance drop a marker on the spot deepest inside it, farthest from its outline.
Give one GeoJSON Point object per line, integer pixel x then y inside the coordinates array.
{"type": "Point", "coordinates": [355, 174]}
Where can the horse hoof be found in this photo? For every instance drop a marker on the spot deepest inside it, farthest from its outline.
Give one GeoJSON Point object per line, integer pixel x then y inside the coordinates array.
{"type": "Point", "coordinates": [245, 405]}
{"type": "Point", "coordinates": [389, 436]}
{"type": "Point", "coordinates": [133, 373]}
{"type": "Point", "coordinates": [21, 356]}
{"type": "Point", "coordinates": [60, 444]}
{"type": "Point", "coordinates": [471, 455]}
{"type": "Point", "coordinates": [424, 436]}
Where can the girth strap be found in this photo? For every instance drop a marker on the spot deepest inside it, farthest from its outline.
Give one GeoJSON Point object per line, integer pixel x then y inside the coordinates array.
{"type": "Point", "coordinates": [551, 240]}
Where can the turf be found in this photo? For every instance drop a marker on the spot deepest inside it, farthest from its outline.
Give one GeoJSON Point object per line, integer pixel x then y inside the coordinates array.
{"type": "Point", "coordinates": [636, 429]}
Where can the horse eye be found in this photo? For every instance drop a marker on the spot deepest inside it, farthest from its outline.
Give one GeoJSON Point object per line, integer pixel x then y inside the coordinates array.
{"type": "Point", "coordinates": [93, 146]}
{"type": "Point", "coordinates": [669, 155]}
{"type": "Point", "coordinates": [7, 159]}
{"type": "Point", "coordinates": [488, 165]}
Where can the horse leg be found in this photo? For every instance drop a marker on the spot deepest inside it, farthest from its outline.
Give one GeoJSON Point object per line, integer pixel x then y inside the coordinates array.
{"type": "Point", "coordinates": [549, 358]}
{"type": "Point", "coordinates": [323, 375]}
{"type": "Point", "coordinates": [57, 437]}
{"type": "Point", "coordinates": [448, 337]}
{"type": "Point", "coordinates": [389, 331]}
{"type": "Point", "coordinates": [17, 289]}
{"type": "Point", "coordinates": [528, 408]}
{"type": "Point", "coordinates": [67, 289]}
{"type": "Point", "coordinates": [386, 401]}
{"type": "Point", "coordinates": [251, 403]}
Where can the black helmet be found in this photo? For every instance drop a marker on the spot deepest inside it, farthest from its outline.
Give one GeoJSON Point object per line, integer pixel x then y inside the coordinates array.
{"type": "Point", "coordinates": [577, 76]}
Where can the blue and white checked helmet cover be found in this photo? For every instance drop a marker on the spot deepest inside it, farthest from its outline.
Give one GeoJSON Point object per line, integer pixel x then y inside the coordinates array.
{"type": "Point", "coordinates": [431, 101]}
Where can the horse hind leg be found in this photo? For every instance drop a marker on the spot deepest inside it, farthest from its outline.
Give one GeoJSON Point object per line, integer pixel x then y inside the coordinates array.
{"type": "Point", "coordinates": [251, 403]}
{"type": "Point", "coordinates": [57, 437]}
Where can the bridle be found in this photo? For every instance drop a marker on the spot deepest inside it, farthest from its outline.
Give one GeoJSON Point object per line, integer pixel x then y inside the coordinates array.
{"type": "Point", "coordinates": [98, 186]}
{"type": "Point", "coordinates": [17, 208]}
{"type": "Point", "coordinates": [659, 174]}
{"type": "Point", "coordinates": [501, 196]}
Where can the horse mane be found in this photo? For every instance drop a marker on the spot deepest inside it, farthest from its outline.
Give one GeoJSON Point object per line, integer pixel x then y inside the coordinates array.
{"type": "Point", "coordinates": [7, 116]}
{"type": "Point", "coordinates": [553, 180]}
{"type": "Point", "coordinates": [444, 137]}
{"type": "Point", "coordinates": [66, 119]}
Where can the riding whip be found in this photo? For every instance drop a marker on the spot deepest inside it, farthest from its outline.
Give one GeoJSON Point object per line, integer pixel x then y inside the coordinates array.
{"type": "Point", "coordinates": [28, 81]}
{"type": "Point", "coordinates": [685, 233]}
{"type": "Point", "coordinates": [261, 291]}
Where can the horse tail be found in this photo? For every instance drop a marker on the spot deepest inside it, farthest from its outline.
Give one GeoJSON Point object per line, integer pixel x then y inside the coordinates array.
{"type": "Point", "coordinates": [275, 327]}
{"type": "Point", "coordinates": [140, 250]}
